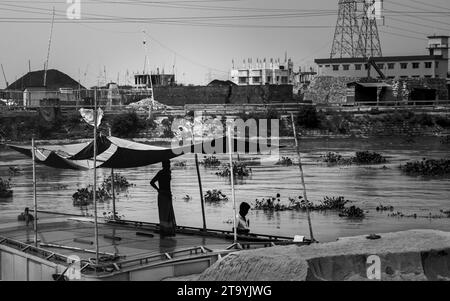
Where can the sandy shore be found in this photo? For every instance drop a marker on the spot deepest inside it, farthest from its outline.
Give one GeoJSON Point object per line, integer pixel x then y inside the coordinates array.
{"type": "Point", "coordinates": [406, 255]}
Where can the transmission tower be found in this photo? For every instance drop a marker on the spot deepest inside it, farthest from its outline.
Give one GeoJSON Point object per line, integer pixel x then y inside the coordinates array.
{"type": "Point", "coordinates": [369, 42]}
{"type": "Point", "coordinates": [346, 35]}
{"type": "Point", "coordinates": [356, 33]}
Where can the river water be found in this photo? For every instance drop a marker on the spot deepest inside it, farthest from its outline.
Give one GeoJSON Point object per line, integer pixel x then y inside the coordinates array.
{"type": "Point", "coordinates": [366, 186]}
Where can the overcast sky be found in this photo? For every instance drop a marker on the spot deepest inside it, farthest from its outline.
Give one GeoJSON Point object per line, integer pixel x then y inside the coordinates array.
{"type": "Point", "coordinates": [199, 37]}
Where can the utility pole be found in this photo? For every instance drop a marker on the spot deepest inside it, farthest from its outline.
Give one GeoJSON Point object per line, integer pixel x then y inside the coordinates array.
{"type": "Point", "coordinates": [48, 51]}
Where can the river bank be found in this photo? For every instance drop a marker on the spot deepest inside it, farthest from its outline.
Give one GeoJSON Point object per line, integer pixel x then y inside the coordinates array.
{"type": "Point", "coordinates": [309, 123]}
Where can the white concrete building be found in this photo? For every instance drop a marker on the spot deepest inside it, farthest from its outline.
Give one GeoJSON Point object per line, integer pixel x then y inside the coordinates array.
{"type": "Point", "coordinates": [433, 65]}
{"type": "Point", "coordinates": [262, 73]}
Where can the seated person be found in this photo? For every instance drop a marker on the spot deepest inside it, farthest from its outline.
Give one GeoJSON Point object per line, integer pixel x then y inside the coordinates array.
{"type": "Point", "coordinates": [243, 223]}
{"type": "Point", "coordinates": [26, 216]}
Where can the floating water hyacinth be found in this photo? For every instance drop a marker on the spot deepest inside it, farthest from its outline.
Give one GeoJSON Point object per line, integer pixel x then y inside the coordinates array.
{"type": "Point", "coordinates": [210, 161]}
{"type": "Point", "coordinates": [215, 195]}
{"type": "Point", "coordinates": [5, 188]}
{"type": "Point", "coordinates": [427, 167]}
{"type": "Point", "coordinates": [360, 158]}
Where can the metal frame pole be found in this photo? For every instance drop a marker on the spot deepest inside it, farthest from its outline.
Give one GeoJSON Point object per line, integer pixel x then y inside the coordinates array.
{"type": "Point", "coordinates": [302, 178]}
{"type": "Point", "coordinates": [113, 194]}
{"type": "Point", "coordinates": [33, 156]}
{"type": "Point", "coordinates": [95, 179]}
{"type": "Point", "coordinates": [230, 151]}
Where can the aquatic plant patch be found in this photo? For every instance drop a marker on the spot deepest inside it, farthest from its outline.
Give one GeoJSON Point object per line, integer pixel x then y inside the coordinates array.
{"type": "Point", "coordinates": [5, 188]}
{"type": "Point", "coordinates": [298, 203]}
{"type": "Point", "coordinates": [120, 182]}
{"type": "Point", "coordinates": [286, 161]}
{"type": "Point", "coordinates": [210, 161]}
{"type": "Point", "coordinates": [240, 169]}
{"type": "Point", "coordinates": [214, 196]}
{"type": "Point", "coordinates": [426, 167]}
{"type": "Point", "coordinates": [360, 158]}
{"type": "Point", "coordinates": [85, 196]}
{"type": "Point", "coordinates": [352, 212]}
{"type": "Point", "coordinates": [384, 208]}
{"type": "Point", "coordinates": [180, 164]}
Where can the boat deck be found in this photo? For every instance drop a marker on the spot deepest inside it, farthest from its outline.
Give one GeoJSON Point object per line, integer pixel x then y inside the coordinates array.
{"type": "Point", "coordinates": [121, 240]}
{"type": "Point", "coordinates": [123, 245]}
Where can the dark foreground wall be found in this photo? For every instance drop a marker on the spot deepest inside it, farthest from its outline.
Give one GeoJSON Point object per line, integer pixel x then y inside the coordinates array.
{"type": "Point", "coordinates": [178, 96]}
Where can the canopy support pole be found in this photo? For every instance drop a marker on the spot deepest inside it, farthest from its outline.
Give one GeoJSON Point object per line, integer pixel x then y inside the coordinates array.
{"type": "Point", "coordinates": [302, 178]}
{"type": "Point", "coordinates": [33, 156]}
{"type": "Point", "coordinates": [201, 192]}
{"type": "Point", "coordinates": [230, 151]}
{"type": "Point", "coordinates": [199, 179]}
{"type": "Point", "coordinates": [113, 194]}
{"type": "Point", "coordinates": [95, 179]}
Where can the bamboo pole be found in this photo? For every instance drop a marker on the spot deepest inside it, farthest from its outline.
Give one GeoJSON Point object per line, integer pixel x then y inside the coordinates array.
{"type": "Point", "coordinates": [199, 181]}
{"type": "Point", "coordinates": [201, 192]}
{"type": "Point", "coordinates": [302, 178]}
{"type": "Point", "coordinates": [95, 179]}
{"type": "Point", "coordinates": [230, 151]}
{"type": "Point", "coordinates": [33, 156]}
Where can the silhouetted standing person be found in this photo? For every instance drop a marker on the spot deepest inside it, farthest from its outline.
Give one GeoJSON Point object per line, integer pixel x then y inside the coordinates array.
{"type": "Point", "coordinates": [167, 222]}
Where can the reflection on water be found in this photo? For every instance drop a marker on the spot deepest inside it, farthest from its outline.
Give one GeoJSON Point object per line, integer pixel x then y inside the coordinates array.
{"type": "Point", "coordinates": [366, 186]}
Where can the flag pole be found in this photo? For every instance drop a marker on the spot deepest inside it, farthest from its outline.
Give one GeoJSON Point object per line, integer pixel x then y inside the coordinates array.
{"type": "Point", "coordinates": [33, 155]}
{"type": "Point", "coordinates": [302, 179]}
{"type": "Point", "coordinates": [230, 151]}
{"type": "Point", "coordinates": [95, 178]}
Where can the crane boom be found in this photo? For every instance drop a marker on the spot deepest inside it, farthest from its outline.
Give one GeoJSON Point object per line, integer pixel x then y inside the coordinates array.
{"type": "Point", "coordinates": [4, 76]}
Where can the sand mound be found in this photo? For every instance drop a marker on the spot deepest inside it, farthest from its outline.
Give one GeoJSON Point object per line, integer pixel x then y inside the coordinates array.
{"type": "Point", "coordinates": [144, 103]}
{"type": "Point", "coordinates": [406, 255]}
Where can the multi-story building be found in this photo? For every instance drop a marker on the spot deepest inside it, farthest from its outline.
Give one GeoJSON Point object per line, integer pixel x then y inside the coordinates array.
{"type": "Point", "coordinates": [262, 73]}
{"type": "Point", "coordinates": [433, 65]}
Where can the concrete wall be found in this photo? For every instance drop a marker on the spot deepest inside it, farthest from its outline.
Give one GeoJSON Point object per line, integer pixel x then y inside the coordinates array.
{"type": "Point", "coordinates": [178, 96]}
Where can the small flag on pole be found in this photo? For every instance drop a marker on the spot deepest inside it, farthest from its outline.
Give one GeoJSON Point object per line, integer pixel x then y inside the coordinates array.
{"type": "Point", "coordinates": [88, 116]}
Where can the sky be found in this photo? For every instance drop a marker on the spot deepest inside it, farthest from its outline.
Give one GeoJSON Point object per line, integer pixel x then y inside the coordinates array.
{"type": "Point", "coordinates": [196, 39]}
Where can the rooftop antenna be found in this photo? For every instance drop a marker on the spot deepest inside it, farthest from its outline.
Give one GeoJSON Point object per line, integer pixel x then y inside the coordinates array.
{"type": "Point", "coordinates": [48, 51]}
{"type": "Point", "coordinates": [4, 76]}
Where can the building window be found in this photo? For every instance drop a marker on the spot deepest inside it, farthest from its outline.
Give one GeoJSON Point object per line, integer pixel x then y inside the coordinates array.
{"type": "Point", "coordinates": [335, 67]}
{"type": "Point", "coordinates": [436, 64]}
{"type": "Point", "coordinates": [404, 76]}
{"type": "Point", "coordinates": [284, 79]}
{"type": "Point", "coordinates": [437, 76]}
{"type": "Point", "coordinates": [428, 65]}
{"type": "Point", "coordinates": [366, 66]}
{"type": "Point", "coordinates": [415, 65]}
{"type": "Point", "coordinates": [416, 76]}
{"type": "Point", "coordinates": [256, 79]}
{"type": "Point", "coordinates": [269, 79]}
{"type": "Point", "coordinates": [278, 79]}
{"type": "Point", "coordinates": [427, 76]}
{"type": "Point", "coordinates": [320, 66]}
{"type": "Point", "coordinates": [357, 66]}
{"type": "Point", "coordinates": [346, 67]}
{"type": "Point", "coordinates": [404, 65]}
{"type": "Point", "coordinates": [390, 77]}
{"type": "Point", "coordinates": [242, 80]}
{"type": "Point", "coordinates": [391, 66]}
{"type": "Point", "coordinates": [327, 66]}
{"type": "Point", "coordinates": [380, 66]}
